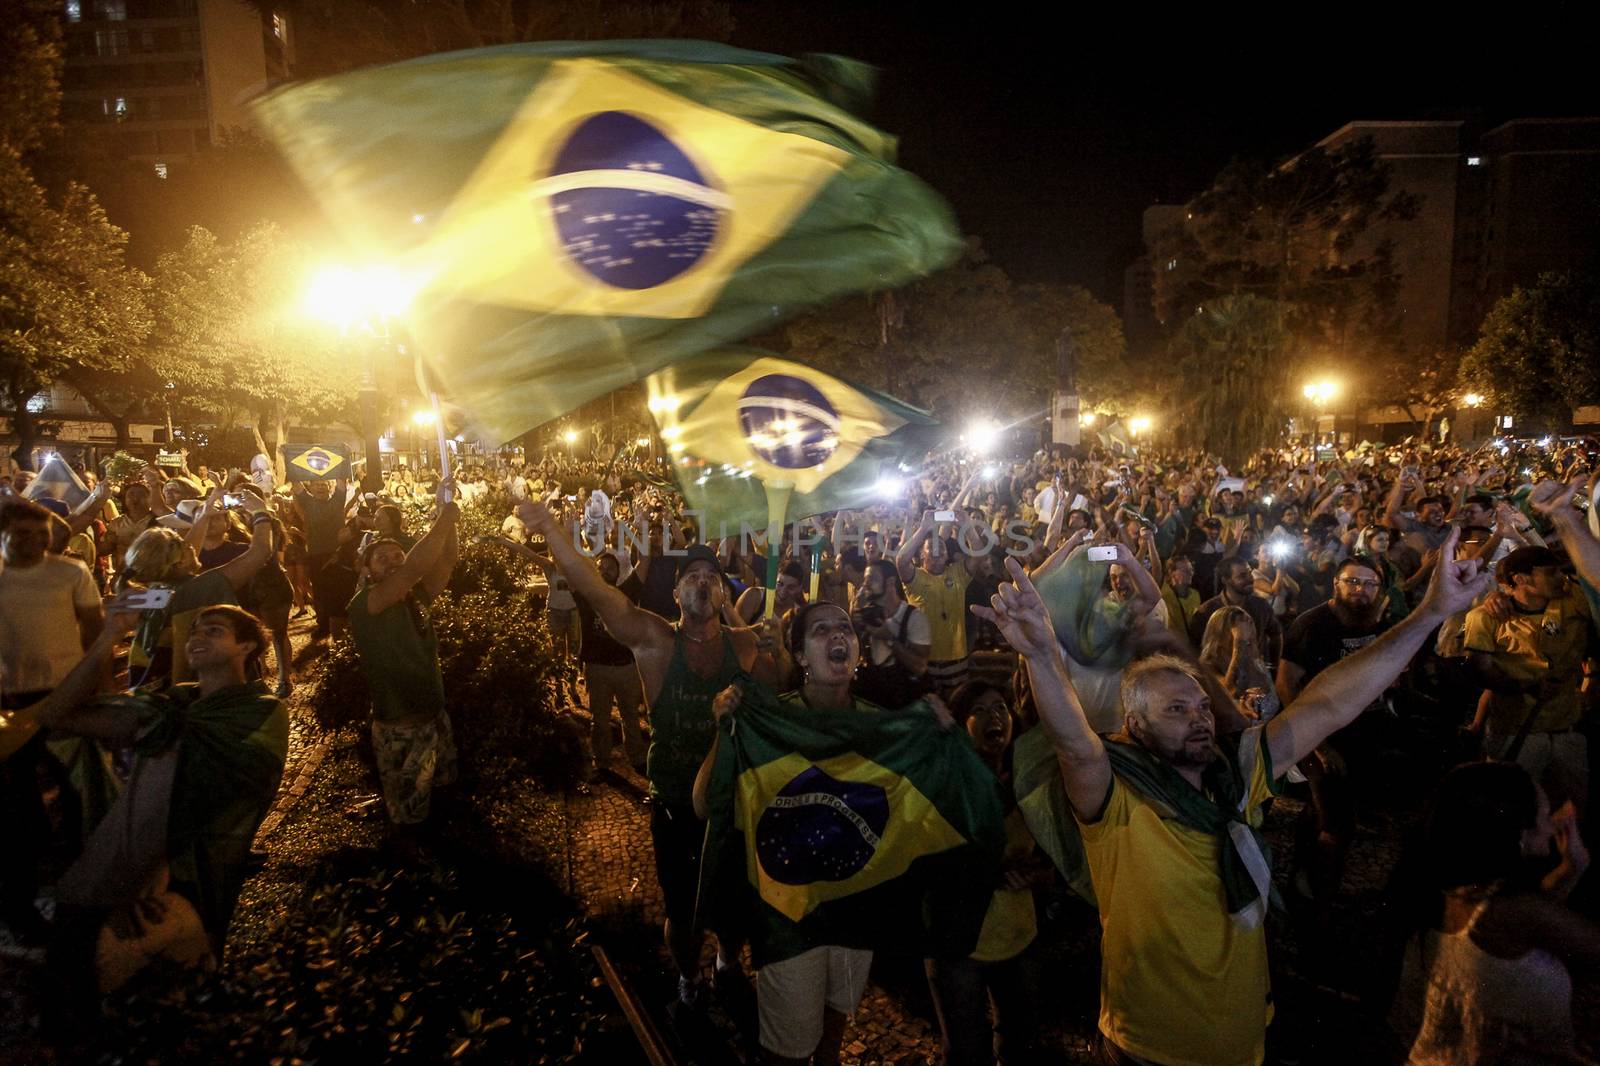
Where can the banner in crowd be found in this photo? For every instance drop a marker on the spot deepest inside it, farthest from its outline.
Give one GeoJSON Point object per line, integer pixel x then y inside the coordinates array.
{"type": "Point", "coordinates": [571, 217]}
{"type": "Point", "coordinates": [857, 828]}
{"type": "Point", "coordinates": [315, 462]}
{"type": "Point", "coordinates": [169, 460]}
{"type": "Point", "coordinates": [738, 419]}
{"type": "Point", "coordinates": [57, 481]}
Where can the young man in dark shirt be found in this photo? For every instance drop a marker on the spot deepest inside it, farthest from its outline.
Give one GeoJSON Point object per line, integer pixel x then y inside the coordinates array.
{"type": "Point", "coordinates": [1336, 629]}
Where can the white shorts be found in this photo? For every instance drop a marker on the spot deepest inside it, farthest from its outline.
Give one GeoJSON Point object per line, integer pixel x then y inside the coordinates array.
{"type": "Point", "coordinates": [791, 996]}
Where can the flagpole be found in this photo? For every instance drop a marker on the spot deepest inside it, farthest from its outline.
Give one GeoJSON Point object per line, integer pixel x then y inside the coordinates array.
{"type": "Point", "coordinates": [778, 493]}
{"type": "Point", "coordinates": [438, 425]}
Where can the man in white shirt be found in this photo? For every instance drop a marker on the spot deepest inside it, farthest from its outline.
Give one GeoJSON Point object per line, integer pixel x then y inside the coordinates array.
{"type": "Point", "coordinates": [49, 613]}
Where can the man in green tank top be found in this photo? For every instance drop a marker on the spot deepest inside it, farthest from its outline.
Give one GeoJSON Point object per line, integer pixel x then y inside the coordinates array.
{"type": "Point", "coordinates": [682, 667]}
{"type": "Point", "coordinates": [399, 652]}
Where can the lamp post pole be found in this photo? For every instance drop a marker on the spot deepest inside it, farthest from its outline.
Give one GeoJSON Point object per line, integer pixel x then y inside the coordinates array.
{"type": "Point", "coordinates": [372, 476]}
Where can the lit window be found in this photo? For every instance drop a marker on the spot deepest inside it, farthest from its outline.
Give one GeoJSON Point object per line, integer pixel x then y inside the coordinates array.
{"type": "Point", "coordinates": [74, 10]}
{"type": "Point", "coordinates": [277, 25]}
{"type": "Point", "coordinates": [1172, 264]}
{"type": "Point", "coordinates": [39, 402]}
{"type": "Point", "coordinates": [120, 108]}
{"type": "Point", "coordinates": [161, 170]}
{"type": "Point", "coordinates": [1474, 160]}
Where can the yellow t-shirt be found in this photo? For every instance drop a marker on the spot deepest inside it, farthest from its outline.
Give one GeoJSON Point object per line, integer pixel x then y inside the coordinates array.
{"type": "Point", "coordinates": [943, 598]}
{"type": "Point", "coordinates": [1180, 981]}
{"type": "Point", "coordinates": [1549, 646]}
{"type": "Point", "coordinates": [1009, 925]}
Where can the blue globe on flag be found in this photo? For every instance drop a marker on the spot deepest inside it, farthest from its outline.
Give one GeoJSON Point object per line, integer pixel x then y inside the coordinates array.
{"type": "Point", "coordinates": [788, 422]}
{"type": "Point", "coordinates": [818, 828]}
{"type": "Point", "coordinates": [633, 212]}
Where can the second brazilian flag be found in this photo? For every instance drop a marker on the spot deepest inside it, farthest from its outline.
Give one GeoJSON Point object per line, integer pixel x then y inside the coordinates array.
{"type": "Point", "coordinates": [737, 420]}
{"type": "Point", "coordinates": [860, 828]}
{"type": "Point", "coordinates": [570, 217]}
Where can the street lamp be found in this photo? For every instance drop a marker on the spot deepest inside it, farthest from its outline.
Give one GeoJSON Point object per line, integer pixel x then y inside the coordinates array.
{"type": "Point", "coordinates": [363, 298]}
{"type": "Point", "coordinates": [1472, 399]}
{"type": "Point", "coordinates": [1320, 393]}
{"type": "Point", "coordinates": [1087, 418]}
{"type": "Point", "coordinates": [1138, 426]}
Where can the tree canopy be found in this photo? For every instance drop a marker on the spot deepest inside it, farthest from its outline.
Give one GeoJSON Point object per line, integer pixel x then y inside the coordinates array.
{"type": "Point", "coordinates": [1538, 352]}
{"type": "Point", "coordinates": [232, 336]}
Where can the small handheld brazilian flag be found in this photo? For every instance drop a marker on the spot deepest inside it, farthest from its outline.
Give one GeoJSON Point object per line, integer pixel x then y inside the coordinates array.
{"type": "Point", "coordinates": [860, 828]}
{"type": "Point", "coordinates": [571, 217]}
{"type": "Point", "coordinates": [738, 420]}
{"type": "Point", "coordinates": [315, 462]}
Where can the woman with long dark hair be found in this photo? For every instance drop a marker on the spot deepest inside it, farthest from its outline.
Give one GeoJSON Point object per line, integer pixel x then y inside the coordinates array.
{"type": "Point", "coordinates": [1487, 965]}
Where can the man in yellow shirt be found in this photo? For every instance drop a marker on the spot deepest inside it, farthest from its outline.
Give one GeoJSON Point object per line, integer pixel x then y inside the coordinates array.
{"type": "Point", "coordinates": [1532, 665]}
{"type": "Point", "coordinates": [938, 588]}
{"type": "Point", "coordinates": [1169, 818]}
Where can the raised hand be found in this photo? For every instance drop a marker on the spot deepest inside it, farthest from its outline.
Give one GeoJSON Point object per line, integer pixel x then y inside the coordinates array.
{"type": "Point", "coordinates": [1553, 499]}
{"type": "Point", "coordinates": [1455, 583]}
{"type": "Point", "coordinates": [1018, 611]}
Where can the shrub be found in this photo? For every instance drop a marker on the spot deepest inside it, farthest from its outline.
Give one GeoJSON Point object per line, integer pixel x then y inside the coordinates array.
{"type": "Point", "coordinates": [492, 569]}
{"type": "Point", "coordinates": [502, 680]}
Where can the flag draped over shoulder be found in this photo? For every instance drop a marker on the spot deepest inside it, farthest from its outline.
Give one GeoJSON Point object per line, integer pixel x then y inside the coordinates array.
{"type": "Point", "coordinates": [857, 828]}
{"type": "Point", "coordinates": [736, 420]}
{"type": "Point", "coordinates": [573, 216]}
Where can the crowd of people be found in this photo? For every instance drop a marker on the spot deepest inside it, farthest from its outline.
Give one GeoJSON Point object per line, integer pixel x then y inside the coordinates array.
{"type": "Point", "coordinates": [1406, 627]}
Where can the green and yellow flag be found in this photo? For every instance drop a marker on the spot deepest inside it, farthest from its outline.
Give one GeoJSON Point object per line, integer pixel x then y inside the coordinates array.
{"type": "Point", "coordinates": [568, 218]}
{"type": "Point", "coordinates": [859, 828]}
{"type": "Point", "coordinates": [738, 421]}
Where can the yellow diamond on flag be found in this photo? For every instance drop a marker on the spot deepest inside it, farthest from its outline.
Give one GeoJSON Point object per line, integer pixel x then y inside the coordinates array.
{"type": "Point", "coordinates": [820, 831]}
{"type": "Point", "coordinates": [319, 462]}
{"type": "Point", "coordinates": [609, 195]}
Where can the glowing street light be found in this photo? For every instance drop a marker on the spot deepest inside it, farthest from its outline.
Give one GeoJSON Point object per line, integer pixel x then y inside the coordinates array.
{"type": "Point", "coordinates": [1320, 392]}
{"type": "Point", "coordinates": [423, 416]}
{"type": "Point", "coordinates": [1472, 399]}
{"type": "Point", "coordinates": [1138, 426]}
{"type": "Point", "coordinates": [570, 436]}
{"type": "Point", "coordinates": [982, 435]}
{"type": "Point", "coordinates": [643, 442]}
{"type": "Point", "coordinates": [1087, 418]}
{"type": "Point", "coordinates": [343, 295]}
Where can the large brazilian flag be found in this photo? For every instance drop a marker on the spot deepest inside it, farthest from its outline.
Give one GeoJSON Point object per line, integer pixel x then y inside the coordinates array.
{"type": "Point", "coordinates": [570, 217]}
{"type": "Point", "coordinates": [860, 828]}
{"type": "Point", "coordinates": [737, 421]}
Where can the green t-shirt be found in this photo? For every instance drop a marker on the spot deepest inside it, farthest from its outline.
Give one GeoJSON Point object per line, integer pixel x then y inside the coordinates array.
{"type": "Point", "coordinates": [400, 654]}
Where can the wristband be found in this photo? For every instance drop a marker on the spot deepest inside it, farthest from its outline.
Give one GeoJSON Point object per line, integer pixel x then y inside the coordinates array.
{"type": "Point", "coordinates": [260, 516]}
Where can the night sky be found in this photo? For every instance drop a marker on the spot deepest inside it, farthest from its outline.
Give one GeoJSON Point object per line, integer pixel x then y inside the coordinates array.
{"type": "Point", "coordinates": [1050, 132]}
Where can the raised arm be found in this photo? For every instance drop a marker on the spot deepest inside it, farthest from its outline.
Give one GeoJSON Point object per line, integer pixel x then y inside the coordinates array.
{"type": "Point", "coordinates": [905, 560]}
{"type": "Point", "coordinates": [1019, 613]}
{"type": "Point", "coordinates": [628, 623]}
{"type": "Point", "coordinates": [439, 576]}
{"type": "Point", "coordinates": [1338, 695]}
{"type": "Point", "coordinates": [1149, 593]}
{"type": "Point", "coordinates": [423, 556]}
{"type": "Point", "coordinates": [1554, 500]}
{"type": "Point", "coordinates": [87, 511]}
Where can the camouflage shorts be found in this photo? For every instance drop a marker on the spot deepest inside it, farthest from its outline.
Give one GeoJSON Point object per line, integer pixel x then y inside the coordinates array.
{"type": "Point", "coordinates": [413, 759]}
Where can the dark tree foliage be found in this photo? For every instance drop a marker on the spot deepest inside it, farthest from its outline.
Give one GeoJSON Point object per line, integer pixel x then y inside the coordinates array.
{"type": "Point", "coordinates": [1539, 349]}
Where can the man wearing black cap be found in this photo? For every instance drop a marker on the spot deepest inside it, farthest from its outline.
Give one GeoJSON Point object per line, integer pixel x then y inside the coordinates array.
{"type": "Point", "coordinates": [682, 667]}
{"type": "Point", "coordinates": [1532, 665]}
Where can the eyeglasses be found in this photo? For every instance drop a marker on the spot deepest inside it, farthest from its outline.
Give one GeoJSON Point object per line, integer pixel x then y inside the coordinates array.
{"type": "Point", "coordinates": [1357, 583]}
